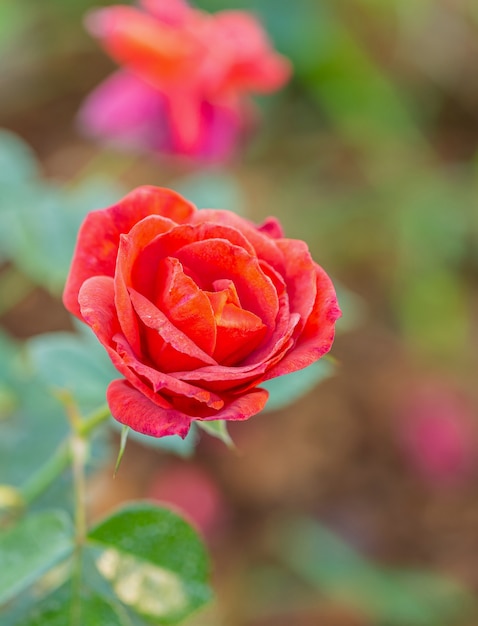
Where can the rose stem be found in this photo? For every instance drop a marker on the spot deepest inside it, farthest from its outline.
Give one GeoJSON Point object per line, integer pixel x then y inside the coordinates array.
{"type": "Point", "coordinates": [62, 457]}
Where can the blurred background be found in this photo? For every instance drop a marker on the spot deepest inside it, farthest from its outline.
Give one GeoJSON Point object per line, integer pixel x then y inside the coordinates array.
{"type": "Point", "coordinates": [357, 504]}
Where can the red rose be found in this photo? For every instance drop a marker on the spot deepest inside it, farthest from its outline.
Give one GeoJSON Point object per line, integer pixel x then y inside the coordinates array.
{"type": "Point", "coordinates": [195, 308]}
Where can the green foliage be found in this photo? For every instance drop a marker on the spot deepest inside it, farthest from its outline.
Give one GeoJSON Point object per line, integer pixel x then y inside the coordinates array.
{"type": "Point", "coordinates": [150, 562]}
{"type": "Point", "coordinates": [76, 364]}
{"type": "Point", "coordinates": [59, 609]}
{"type": "Point", "coordinates": [217, 429]}
{"type": "Point", "coordinates": [124, 438]}
{"type": "Point", "coordinates": [289, 388]}
{"type": "Point", "coordinates": [18, 163]}
{"type": "Point", "coordinates": [32, 424]}
{"type": "Point", "coordinates": [392, 597]}
{"type": "Point", "coordinates": [43, 223]}
{"type": "Point", "coordinates": [211, 189]}
{"type": "Point", "coordinates": [39, 220]}
{"type": "Point", "coordinates": [31, 548]}
{"type": "Point", "coordinates": [154, 561]}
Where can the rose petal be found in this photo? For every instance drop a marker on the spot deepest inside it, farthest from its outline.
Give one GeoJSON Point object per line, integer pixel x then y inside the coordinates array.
{"type": "Point", "coordinates": [202, 128]}
{"type": "Point", "coordinates": [238, 333]}
{"type": "Point", "coordinates": [96, 300]}
{"type": "Point", "coordinates": [263, 245]}
{"type": "Point", "coordinates": [130, 407]}
{"type": "Point", "coordinates": [162, 383]}
{"type": "Point", "coordinates": [254, 65]}
{"type": "Point", "coordinates": [128, 112]}
{"type": "Point", "coordinates": [168, 347]}
{"type": "Point", "coordinates": [221, 127]}
{"type": "Point", "coordinates": [98, 309]}
{"type": "Point", "coordinates": [221, 378]}
{"type": "Point", "coordinates": [149, 200]}
{"type": "Point", "coordinates": [155, 50]}
{"type": "Point", "coordinates": [169, 11]}
{"type": "Point", "coordinates": [317, 335]}
{"type": "Point", "coordinates": [285, 329]}
{"type": "Point", "coordinates": [224, 291]}
{"type": "Point", "coordinates": [137, 265]}
{"type": "Point", "coordinates": [271, 227]}
{"type": "Point", "coordinates": [101, 230]}
{"type": "Point", "coordinates": [184, 113]}
{"type": "Point", "coordinates": [133, 246]}
{"type": "Point", "coordinates": [218, 259]}
{"type": "Point", "coordinates": [300, 276]}
{"type": "Point", "coordinates": [241, 32]}
{"type": "Point", "coordinates": [258, 362]}
{"type": "Point", "coordinates": [242, 407]}
{"type": "Point", "coordinates": [129, 248]}
{"type": "Point", "coordinates": [263, 75]}
{"type": "Point", "coordinates": [185, 305]}
{"type": "Point", "coordinates": [140, 266]}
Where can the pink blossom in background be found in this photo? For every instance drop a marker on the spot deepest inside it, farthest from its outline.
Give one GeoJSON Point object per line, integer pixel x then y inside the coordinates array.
{"type": "Point", "coordinates": [185, 78]}
{"type": "Point", "coordinates": [438, 433]}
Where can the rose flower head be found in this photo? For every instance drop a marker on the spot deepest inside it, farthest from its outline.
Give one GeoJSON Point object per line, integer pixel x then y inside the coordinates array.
{"type": "Point", "coordinates": [185, 80]}
{"type": "Point", "coordinates": [196, 308]}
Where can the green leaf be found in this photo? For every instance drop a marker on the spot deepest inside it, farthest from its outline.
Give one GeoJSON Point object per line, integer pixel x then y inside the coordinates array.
{"type": "Point", "coordinates": [124, 437]}
{"type": "Point", "coordinates": [18, 163]}
{"type": "Point", "coordinates": [31, 548]}
{"type": "Point", "coordinates": [39, 224]}
{"type": "Point", "coordinates": [78, 364]}
{"type": "Point", "coordinates": [61, 608]}
{"type": "Point", "coordinates": [212, 190]}
{"type": "Point", "coordinates": [42, 231]}
{"type": "Point", "coordinates": [73, 363]}
{"type": "Point", "coordinates": [285, 390]}
{"type": "Point", "coordinates": [154, 560]}
{"type": "Point", "coordinates": [218, 429]}
{"type": "Point", "coordinates": [33, 425]}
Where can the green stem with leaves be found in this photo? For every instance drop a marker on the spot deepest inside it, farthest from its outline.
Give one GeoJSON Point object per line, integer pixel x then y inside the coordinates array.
{"type": "Point", "coordinates": [73, 451]}
{"type": "Point", "coordinates": [62, 458]}
{"type": "Point", "coordinates": [79, 451]}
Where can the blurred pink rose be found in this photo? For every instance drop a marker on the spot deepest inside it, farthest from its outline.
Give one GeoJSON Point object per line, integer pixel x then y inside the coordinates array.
{"type": "Point", "coordinates": [185, 78]}
{"type": "Point", "coordinates": [438, 433]}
